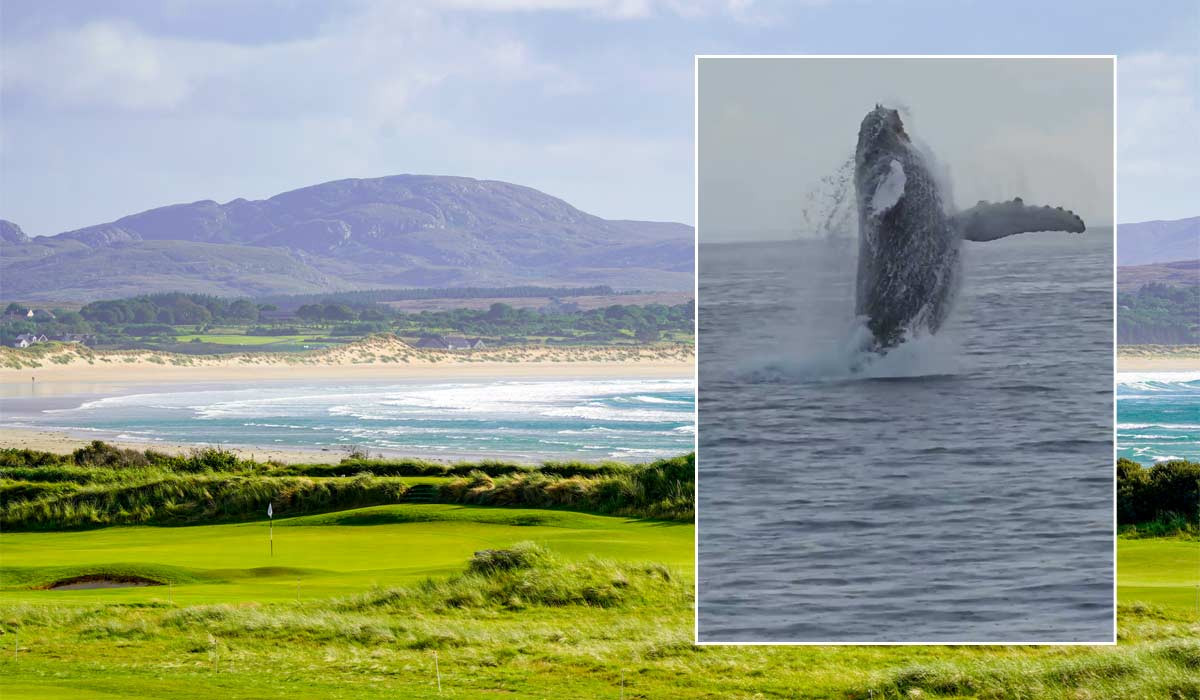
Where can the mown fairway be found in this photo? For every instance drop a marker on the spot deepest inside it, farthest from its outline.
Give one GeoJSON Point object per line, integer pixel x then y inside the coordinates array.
{"type": "Point", "coordinates": [383, 590]}
{"type": "Point", "coordinates": [1160, 571]}
{"type": "Point", "coordinates": [334, 554]}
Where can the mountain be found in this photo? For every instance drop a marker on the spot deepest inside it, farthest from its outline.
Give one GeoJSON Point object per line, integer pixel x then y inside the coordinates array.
{"type": "Point", "coordinates": [11, 233]}
{"type": "Point", "coordinates": [1158, 241]}
{"type": "Point", "coordinates": [398, 231]}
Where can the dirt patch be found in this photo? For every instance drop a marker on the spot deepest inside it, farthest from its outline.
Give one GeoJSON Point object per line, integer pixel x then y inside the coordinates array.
{"type": "Point", "coordinates": [81, 583]}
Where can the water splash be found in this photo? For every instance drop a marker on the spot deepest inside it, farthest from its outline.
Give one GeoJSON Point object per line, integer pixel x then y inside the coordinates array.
{"type": "Point", "coordinates": [829, 210]}
{"type": "Point", "coordinates": [925, 356]}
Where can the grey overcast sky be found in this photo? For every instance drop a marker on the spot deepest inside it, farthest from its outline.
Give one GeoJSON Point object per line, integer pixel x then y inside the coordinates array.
{"type": "Point", "coordinates": [771, 128]}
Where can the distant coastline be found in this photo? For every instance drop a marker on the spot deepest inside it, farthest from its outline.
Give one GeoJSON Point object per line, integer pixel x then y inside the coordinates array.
{"type": "Point", "coordinates": [56, 376]}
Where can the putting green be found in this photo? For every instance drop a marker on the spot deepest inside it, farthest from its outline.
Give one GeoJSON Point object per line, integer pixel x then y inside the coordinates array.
{"type": "Point", "coordinates": [1160, 571]}
{"type": "Point", "coordinates": [327, 555]}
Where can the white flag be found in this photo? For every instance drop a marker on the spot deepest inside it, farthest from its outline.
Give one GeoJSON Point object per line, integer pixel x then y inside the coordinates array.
{"type": "Point", "coordinates": [270, 513]}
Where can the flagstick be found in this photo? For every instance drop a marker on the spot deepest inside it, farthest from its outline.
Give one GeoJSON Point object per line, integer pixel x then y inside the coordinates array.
{"type": "Point", "coordinates": [272, 537]}
{"type": "Point", "coordinates": [438, 671]}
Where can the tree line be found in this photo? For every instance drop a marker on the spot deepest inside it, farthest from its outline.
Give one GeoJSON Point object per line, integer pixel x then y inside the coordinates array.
{"type": "Point", "coordinates": [115, 321]}
{"type": "Point", "coordinates": [374, 296]}
{"type": "Point", "coordinates": [1159, 314]}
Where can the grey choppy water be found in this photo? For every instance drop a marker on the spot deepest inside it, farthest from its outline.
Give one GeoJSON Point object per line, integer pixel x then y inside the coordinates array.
{"type": "Point", "coordinates": [963, 491]}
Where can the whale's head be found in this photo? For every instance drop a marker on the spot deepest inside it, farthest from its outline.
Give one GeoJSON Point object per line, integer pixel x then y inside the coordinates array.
{"type": "Point", "coordinates": [881, 134]}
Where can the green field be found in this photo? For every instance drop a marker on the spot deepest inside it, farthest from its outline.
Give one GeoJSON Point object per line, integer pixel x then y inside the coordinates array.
{"type": "Point", "coordinates": [334, 554]}
{"type": "Point", "coordinates": [1164, 572]}
{"type": "Point", "coordinates": [383, 589]}
{"type": "Point", "coordinates": [242, 339]}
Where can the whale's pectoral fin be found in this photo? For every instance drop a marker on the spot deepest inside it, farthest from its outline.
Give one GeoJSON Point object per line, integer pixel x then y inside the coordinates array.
{"type": "Point", "coordinates": [889, 190]}
{"type": "Point", "coordinates": [988, 221]}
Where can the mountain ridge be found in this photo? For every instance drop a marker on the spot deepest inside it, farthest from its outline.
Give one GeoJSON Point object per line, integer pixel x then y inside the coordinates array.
{"type": "Point", "coordinates": [398, 230]}
{"type": "Point", "coordinates": [1158, 241]}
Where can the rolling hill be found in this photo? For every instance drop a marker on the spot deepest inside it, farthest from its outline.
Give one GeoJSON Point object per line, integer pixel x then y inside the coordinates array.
{"type": "Point", "coordinates": [1183, 273]}
{"type": "Point", "coordinates": [397, 231]}
{"type": "Point", "coordinates": [1151, 242]}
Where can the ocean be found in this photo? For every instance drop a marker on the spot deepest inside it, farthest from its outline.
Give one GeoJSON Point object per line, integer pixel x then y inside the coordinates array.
{"type": "Point", "coordinates": [959, 489]}
{"type": "Point", "coordinates": [531, 420]}
{"type": "Point", "coordinates": [1158, 416]}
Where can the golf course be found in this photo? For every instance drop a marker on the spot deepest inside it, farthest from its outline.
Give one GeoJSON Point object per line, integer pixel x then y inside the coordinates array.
{"type": "Point", "coordinates": [141, 575]}
{"type": "Point", "coordinates": [357, 604]}
{"type": "Point", "coordinates": [335, 554]}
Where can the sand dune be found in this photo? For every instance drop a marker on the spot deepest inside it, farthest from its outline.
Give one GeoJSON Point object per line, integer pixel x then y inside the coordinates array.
{"type": "Point", "coordinates": [381, 357]}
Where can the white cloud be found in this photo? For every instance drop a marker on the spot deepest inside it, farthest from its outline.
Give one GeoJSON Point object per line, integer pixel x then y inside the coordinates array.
{"type": "Point", "coordinates": [615, 9]}
{"type": "Point", "coordinates": [612, 8]}
{"type": "Point", "coordinates": [100, 63]}
{"type": "Point", "coordinates": [387, 89]}
{"type": "Point", "coordinates": [1158, 147]}
{"type": "Point", "coordinates": [368, 65]}
{"type": "Point", "coordinates": [1158, 113]}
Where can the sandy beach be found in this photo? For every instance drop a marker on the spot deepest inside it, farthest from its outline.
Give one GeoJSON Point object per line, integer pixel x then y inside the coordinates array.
{"type": "Point", "coordinates": [1157, 363]}
{"type": "Point", "coordinates": [382, 359]}
{"type": "Point", "coordinates": [16, 382]}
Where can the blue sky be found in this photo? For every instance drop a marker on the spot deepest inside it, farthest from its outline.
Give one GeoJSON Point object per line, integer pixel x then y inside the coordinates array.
{"type": "Point", "coordinates": [112, 108]}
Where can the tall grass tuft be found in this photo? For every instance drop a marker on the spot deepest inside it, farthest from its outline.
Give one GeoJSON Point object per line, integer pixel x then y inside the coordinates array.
{"type": "Point", "coordinates": [528, 575]}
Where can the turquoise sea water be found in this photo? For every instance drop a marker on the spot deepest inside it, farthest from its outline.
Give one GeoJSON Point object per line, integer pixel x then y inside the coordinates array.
{"type": "Point", "coordinates": [1158, 416]}
{"type": "Point", "coordinates": [629, 420]}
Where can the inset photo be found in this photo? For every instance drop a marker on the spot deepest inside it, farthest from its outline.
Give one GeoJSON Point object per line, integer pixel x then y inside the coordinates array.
{"type": "Point", "coordinates": [905, 348]}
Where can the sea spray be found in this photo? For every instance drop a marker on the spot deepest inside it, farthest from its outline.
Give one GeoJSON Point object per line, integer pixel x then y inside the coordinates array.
{"type": "Point", "coordinates": [828, 210]}
{"type": "Point", "coordinates": [925, 356]}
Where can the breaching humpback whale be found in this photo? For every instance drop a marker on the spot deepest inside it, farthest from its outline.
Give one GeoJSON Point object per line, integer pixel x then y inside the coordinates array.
{"type": "Point", "coordinates": [908, 244]}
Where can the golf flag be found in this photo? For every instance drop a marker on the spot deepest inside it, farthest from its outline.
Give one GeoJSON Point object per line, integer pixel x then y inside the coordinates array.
{"type": "Point", "coordinates": [271, 517]}
{"type": "Point", "coordinates": [270, 512]}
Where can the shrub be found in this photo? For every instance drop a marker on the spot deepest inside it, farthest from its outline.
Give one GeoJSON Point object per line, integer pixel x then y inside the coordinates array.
{"type": "Point", "coordinates": [101, 454]}
{"type": "Point", "coordinates": [1167, 493]}
{"type": "Point", "coordinates": [101, 484]}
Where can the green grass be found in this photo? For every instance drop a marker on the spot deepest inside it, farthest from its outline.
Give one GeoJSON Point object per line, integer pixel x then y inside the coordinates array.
{"type": "Point", "coordinates": [388, 546]}
{"type": "Point", "coordinates": [578, 615]}
{"type": "Point", "coordinates": [101, 485]}
{"type": "Point", "coordinates": [1164, 572]}
{"type": "Point", "coordinates": [230, 339]}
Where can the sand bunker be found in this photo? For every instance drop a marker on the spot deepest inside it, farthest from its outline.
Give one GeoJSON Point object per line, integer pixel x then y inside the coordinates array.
{"type": "Point", "coordinates": [80, 583]}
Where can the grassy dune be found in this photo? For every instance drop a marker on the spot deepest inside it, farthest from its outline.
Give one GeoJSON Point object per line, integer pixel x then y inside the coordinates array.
{"type": "Point", "coordinates": [101, 485]}
{"type": "Point", "coordinates": [578, 614]}
{"type": "Point", "coordinates": [375, 350]}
